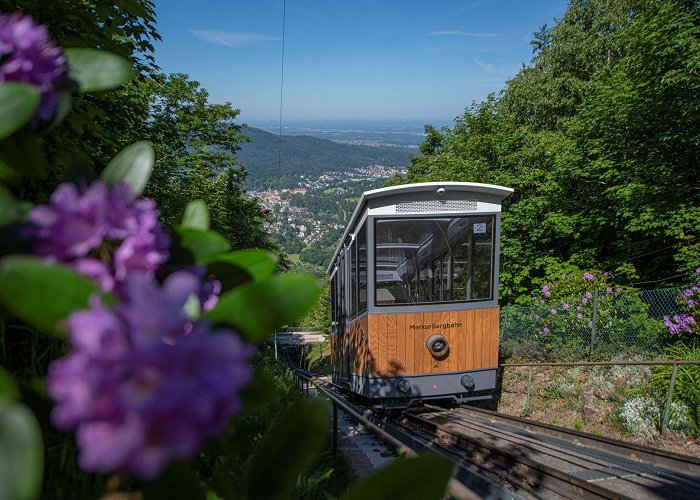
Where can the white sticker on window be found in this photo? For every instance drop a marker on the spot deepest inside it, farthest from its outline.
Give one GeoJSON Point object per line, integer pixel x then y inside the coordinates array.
{"type": "Point", "coordinates": [480, 228]}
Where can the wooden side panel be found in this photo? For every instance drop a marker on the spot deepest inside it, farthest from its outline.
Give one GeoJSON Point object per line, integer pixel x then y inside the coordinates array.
{"type": "Point", "coordinates": [397, 342]}
{"type": "Point", "coordinates": [360, 359]}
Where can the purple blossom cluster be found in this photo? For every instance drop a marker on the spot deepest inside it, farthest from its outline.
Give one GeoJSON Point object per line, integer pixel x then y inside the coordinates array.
{"type": "Point", "coordinates": [102, 233]}
{"type": "Point", "coordinates": [684, 321]}
{"type": "Point", "coordinates": [27, 55]}
{"type": "Point", "coordinates": [143, 383]}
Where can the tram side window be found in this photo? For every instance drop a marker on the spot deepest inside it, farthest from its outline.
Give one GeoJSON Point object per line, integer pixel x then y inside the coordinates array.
{"type": "Point", "coordinates": [353, 279]}
{"type": "Point", "coordinates": [334, 299]}
{"type": "Point", "coordinates": [362, 268]}
{"type": "Point", "coordinates": [341, 290]}
{"type": "Point", "coordinates": [428, 260]}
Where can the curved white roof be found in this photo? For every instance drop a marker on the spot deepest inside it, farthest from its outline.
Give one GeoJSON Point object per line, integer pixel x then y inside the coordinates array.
{"type": "Point", "coordinates": [465, 187]}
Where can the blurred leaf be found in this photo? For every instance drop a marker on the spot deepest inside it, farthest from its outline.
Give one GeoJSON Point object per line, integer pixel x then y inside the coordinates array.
{"type": "Point", "coordinates": [9, 207]}
{"type": "Point", "coordinates": [40, 293]}
{"type": "Point", "coordinates": [287, 450]}
{"type": "Point", "coordinates": [178, 480]}
{"type": "Point", "coordinates": [8, 388]}
{"type": "Point", "coordinates": [196, 215]}
{"type": "Point", "coordinates": [259, 264]}
{"type": "Point", "coordinates": [17, 105]}
{"type": "Point", "coordinates": [132, 165]}
{"type": "Point", "coordinates": [21, 452]}
{"type": "Point", "coordinates": [221, 487]}
{"type": "Point", "coordinates": [204, 245]}
{"type": "Point", "coordinates": [259, 394]}
{"type": "Point", "coordinates": [96, 70]}
{"type": "Point", "coordinates": [65, 103]}
{"type": "Point", "coordinates": [257, 309]}
{"type": "Point", "coordinates": [419, 478]}
{"type": "Point", "coordinates": [24, 154]}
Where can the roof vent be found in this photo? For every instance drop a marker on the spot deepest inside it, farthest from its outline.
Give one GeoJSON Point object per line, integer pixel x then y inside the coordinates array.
{"type": "Point", "coordinates": [436, 206]}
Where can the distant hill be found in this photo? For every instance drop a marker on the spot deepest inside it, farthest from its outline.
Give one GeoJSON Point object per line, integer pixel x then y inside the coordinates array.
{"type": "Point", "coordinates": [309, 156]}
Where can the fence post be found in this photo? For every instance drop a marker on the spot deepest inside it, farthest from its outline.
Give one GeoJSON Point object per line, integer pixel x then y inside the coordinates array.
{"type": "Point", "coordinates": [529, 384]}
{"type": "Point", "coordinates": [595, 314]}
{"type": "Point", "coordinates": [275, 344]}
{"type": "Point", "coordinates": [505, 323]}
{"type": "Point", "coordinates": [669, 397]}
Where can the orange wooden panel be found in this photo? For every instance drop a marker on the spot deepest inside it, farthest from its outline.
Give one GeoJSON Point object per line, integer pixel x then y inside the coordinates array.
{"type": "Point", "coordinates": [396, 343]}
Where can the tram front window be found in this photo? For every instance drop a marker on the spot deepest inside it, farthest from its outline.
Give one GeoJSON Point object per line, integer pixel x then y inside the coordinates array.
{"type": "Point", "coordinates": [429, 260]}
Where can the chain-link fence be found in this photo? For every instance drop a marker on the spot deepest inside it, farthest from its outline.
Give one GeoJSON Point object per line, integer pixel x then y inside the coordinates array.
{"type": "Point", "coordinates": [601, 325]}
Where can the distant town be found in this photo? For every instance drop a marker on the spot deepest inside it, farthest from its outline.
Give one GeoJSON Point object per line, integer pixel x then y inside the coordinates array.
{"type": "Point", "coordinates": [303, 215]}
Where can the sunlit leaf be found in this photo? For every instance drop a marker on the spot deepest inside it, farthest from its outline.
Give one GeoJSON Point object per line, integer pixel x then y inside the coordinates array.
{"type": "Point", "coordinates": [18, 102]}
{"type": "Point", "coordinates": [95, 70]}
{"type": "Point", "coordinates": [287, 450]}
{"type": "Point", "coordinates": [256, 309]}
{"type": "Point", "coordinates": [204, 245]}
{"type": "Point", "coordinates": [196, 215]}
{"type": "Point", "coordinates": [419, 478]}
{"type": "Point", "coordinates": [132, 165]}
{"type": "Point", "coordinates": [260, 264]}
{"type": "Point", "coordinates": [40, 293]}
{"type": "Point", "coordinates": [21, 452]}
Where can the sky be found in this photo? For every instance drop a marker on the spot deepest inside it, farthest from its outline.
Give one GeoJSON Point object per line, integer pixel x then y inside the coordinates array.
{"type": "Point", "coordinates": [374, 60]}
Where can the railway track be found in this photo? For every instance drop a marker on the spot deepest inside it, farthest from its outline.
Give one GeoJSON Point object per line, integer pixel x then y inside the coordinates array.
{"type": "Point", "coordinates": [551, 462]}
{"type": "Point", "coordinates": [501, 456]}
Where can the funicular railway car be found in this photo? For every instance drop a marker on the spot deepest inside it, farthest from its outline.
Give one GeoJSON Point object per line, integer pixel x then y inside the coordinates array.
{"type": "Point", "coordinates": [414, 294]}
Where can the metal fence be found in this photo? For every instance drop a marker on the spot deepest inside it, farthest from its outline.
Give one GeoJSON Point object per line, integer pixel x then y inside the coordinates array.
{"type": "Point", "coordinates": [601, 325]}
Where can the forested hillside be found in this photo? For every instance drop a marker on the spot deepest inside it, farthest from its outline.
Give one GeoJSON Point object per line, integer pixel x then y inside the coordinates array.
{"type": "Point", "coordinates": [600, 138]}
{"type": "Point", "coordinates": [309, 156]}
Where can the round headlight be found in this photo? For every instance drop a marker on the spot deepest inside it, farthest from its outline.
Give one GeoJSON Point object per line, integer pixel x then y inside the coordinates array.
{"type": "Point", "coordinates": [468, 382]}
{"type": "Point", "coordinates": [437, 345]}
{"type": "Point", "coordinates": [404, 386]}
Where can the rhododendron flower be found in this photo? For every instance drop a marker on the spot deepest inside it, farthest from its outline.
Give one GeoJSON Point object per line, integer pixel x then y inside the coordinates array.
{"type": "Point", "coordinates": [587, 276]}
{"type": "Point", "coordinates": [590, 324]}
{"type": "Point", "coordinates": [584, 300]}
{"type": "Point", "coordinates": [545, 330]}
{"type": "Point", "coordinates": [143, 384]}
{"type": "Point", "coordinates": [80, 227]}
{"type": "Point", "coordinates": [553, 311]}
{"type": "Point", "coordinates": [565, 306]}
{"type": "Point", "coordinates": [579, 316]}
{"type": "Point", "coordinates": [27, 55]}
{"type": "Point", "coordinates": [589, 295]}
{"type": "Point", "coordinates": [608, 290]}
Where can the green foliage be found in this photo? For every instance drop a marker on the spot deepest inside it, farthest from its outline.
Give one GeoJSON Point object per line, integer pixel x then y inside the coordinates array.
{"type": "Point", "coordinates": [26, 282]}
{"type": "Point", "coordinates": [133, 166]}
{"type": "Point", "coordinates": [598, 138]}
{"type": "Point", "coordinates": [196, 215]}
{"type": "Point", "coordinates": [257, 309]}
{"type": "Point", "coordinates": [299, 434]}
{"type": "Point", "coordinates": [17, 105]}
{"type": "Point", "coordinates": [687, 385]}
{"type": "Point", "coordinates": [419, 478]}
{"type": "Point", "coordinates": [21, 452]}
{"type": "Point", "coordinates": [319, 317]}
{"type": "Point", "coordinates": [94, 70]}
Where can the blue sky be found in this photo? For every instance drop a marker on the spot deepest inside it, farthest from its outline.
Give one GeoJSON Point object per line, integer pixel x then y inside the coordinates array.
{"type": "Point", "coordinates": [377, 60]}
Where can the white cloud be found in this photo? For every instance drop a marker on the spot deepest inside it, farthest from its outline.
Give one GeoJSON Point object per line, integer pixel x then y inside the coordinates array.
{"type": "Point", "coordinates": [464, 33]}
{"type": "Point", "coordinates": [499, 71]}
{"type": "Point", "coordinates": [230, 38]}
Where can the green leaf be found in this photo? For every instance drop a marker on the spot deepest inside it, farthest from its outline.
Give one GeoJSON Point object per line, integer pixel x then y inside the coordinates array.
{"type": "Point", "coordinates": [21, 452]}
{"type": "Point", "coordinates": [257, 264]}
{"type": "Point", "coordinates": [8, 388]}
{"type": "Point", "coordinates": [419, 478]}
{"type": "Point", "coordinates": [259, 394]}
{"type": "Point", "coordinates": [24, 154]}
{"type": "Point", "coordinates": [40, 293]}
{"type": "Point", "coordinates": [256, 309]}
{"type": "Point", "coordinates": [196, 215]}
{"type": "Point", "coordinates": [96, 70]}
{"type": "Point", "coordinates": [287, 450]}
{"type": "Point", "coordinates": [204, 245]}
{"type": "Point", "coordinates": [132, 165]}
{"type": "Point", "coordinates": [9, 207]}
{"type": "Point", "coordinates": [18, 102]}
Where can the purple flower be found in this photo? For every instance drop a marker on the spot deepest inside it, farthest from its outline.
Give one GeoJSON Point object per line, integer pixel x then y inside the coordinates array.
{"type": "Point", "coordinates": [82, 227]}
{"type": "Point", "coordinates": [547, 294]}
{"type": "Point", "coordinates": [143, 384]}
{"type": "Point", "coordinates": [687, 292]}
{"type": "Point", "coordinates": [537, 317]}
{"type": "Point", "coordinates": [584, 300]}
{"type": "Point", "coordinates": [565, 306]}
{"type": "Point", "coordinates": [545, 330]}
{"type": "Point", "coordinates": [27, 55]}
{"type": "Point", "coordinates": [542, 301]}
{"type": "Point", "coordinates": [589, 295]}
{"type": "Point", "coordinates": [553, 311]}
{"type": "Point", "coordinates": [692, 303]}
{"type": "Point", "coordinates": [697, 271]}
{"type": "Point", "coordinates": [578, 308]}
{"type": "Point", "coordinates": [587, 276]}
{"type": "Point", "coordinates": [608, 290]}
{"type": "Point", "coordinates": [579, 316]}
{"type": "Point", "coordinates": [590, 324]}
{"type": "Point", "coordinates": [607, 273]}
